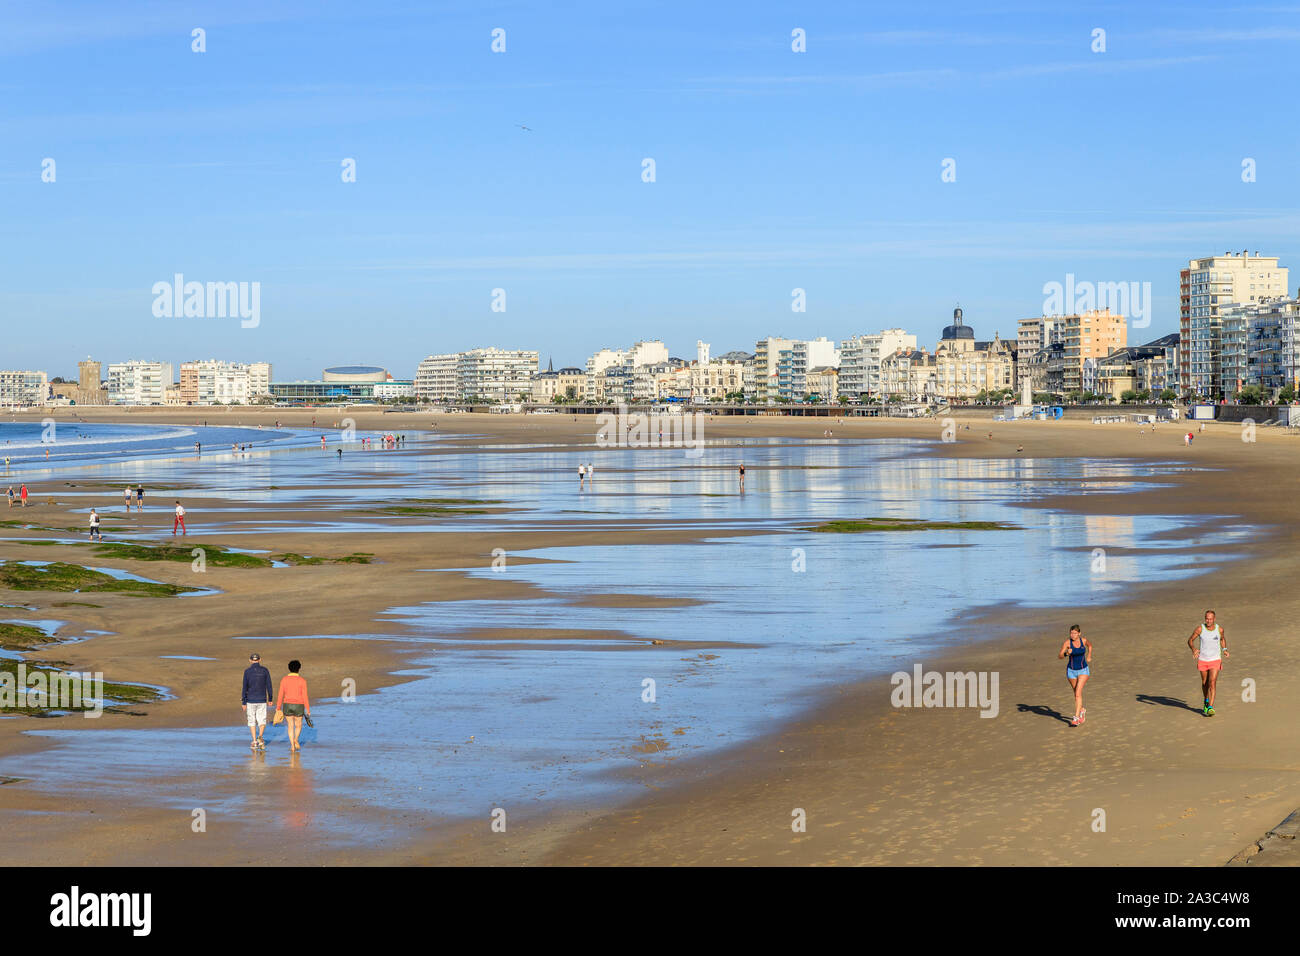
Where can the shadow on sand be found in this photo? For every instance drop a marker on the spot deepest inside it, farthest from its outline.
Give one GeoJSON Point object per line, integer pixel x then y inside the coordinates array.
{"type": "Point", "coordinates": [1042, 710]}
{"type": "Point", "coordinates": [1167, 702]}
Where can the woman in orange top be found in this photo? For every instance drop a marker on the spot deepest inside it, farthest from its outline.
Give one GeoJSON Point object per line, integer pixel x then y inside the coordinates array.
{"type": "Point", "coordinates": [293, 702]}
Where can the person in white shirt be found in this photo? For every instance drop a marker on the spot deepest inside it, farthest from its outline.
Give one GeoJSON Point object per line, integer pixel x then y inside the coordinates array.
{"type": "Point", "coordinates": [179, 520]}
{"type": "Point", "coordinates": [94, 526]}
{"type": "Point", "coordinates": [126, 498]}
{"type": "Point", "coordinates": [1209, 657]}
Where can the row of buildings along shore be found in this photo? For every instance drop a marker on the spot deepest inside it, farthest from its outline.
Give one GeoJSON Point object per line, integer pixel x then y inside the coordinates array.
{"type": "Point", "coordinates": [1238, 340]}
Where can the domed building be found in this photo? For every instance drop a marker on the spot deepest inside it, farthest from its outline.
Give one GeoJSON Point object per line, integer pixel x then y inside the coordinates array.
{"type": "Point", "coordinates": [965, 367]}
{"type": "Point", "coordinates": [356, 373]}
{"type": "Point", "coordinates": [345, 383]}
{"type": "Point", "coordinates": [957, 331]}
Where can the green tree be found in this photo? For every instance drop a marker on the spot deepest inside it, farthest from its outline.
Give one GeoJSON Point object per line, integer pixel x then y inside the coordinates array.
{"type": "Point", "coordinates": [1251, 395]}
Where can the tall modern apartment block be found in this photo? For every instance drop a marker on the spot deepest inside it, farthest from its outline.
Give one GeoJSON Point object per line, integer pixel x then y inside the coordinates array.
{"type": "Point", "coordinates": [860, 358]}
{"type": "Point", "coordinates": [767, 358]}
{"type": "Point", "coordinates": [138, 382]}
{"type": "Point", "coordinates": [23, 388]}
{"type": "Point", "coordinates": [1262, 345]}
{"type": "Point", "coordinates": [1088, 338]}
{"type": "Point", "coordinates": [794, 363]}
{"type": "Point", "coordinates": [436, 379]}
{"type": "Point", "coordinates": [498, 374]}
{"type": "Point", "coordinates": [1205, 287]}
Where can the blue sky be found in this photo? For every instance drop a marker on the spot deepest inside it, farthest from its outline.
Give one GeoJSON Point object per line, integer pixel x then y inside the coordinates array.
{"type": "Point", "coordinates": [774, 170]}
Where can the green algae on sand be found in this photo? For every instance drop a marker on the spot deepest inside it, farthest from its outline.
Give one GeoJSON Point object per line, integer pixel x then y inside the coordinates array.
{"type": "Point", "coordinates": [115, 695]}
{"type": "Point", "coordinates": [909, 524]}
{"type": "Point", "coordinates": [302, 560]}
{"type": "Point", "coordinates": [214, 555]}
{"type": "Point", "coordinates": [20, 637]}
{"type": "Point", "coordinates": [59, 576]}
{"type": "Point", "coordinates": [432, 507]}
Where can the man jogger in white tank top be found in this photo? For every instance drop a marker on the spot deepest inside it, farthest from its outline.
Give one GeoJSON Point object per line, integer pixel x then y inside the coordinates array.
{"type": "Point", "coordinates": [1209, 658]}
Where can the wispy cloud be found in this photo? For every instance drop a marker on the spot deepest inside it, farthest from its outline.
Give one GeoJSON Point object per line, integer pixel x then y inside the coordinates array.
{"type": "Point", "coordinates": [1094, 64]}
{"type": "Point", "coordinates": [1228, 35]}
{"type": "Point", "coordinates": [1098, 64]}
{"type": "Point", "coordinates": [1147, 239]}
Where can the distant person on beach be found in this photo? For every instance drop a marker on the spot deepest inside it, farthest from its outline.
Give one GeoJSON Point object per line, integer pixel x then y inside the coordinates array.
{"type": "Point", "coordinates": [11, 496]}
{"type": "Point", "coordinates": [198, 449]}
{"type": "Point", "coordinates": [742, 477]}
{"type": "Point", "coordinates": [94, 525]}
{"type": "Point", "coordinates": [179, 520]}
{"type": "Point", "coordinates": [340, 453]}
{"type": "Point", "coordinates": [1079, 649]}
{"type": "Point", "coordinates": [582, 475]}
{"type": "Point", "coordinates": [139, 498]}
{"type": "Point", "coordinates": [126, 498]}
{"type": "Point", "coordinates": [255, 696]}
{"type": "Point", "coordinates": [22, 493]}
{"type": "Point", "coordinates": [293, 702]}
{"type": "Point", "coordinates": [1209, 658]}
{"type": "Point", "coordinates": [591, 473]}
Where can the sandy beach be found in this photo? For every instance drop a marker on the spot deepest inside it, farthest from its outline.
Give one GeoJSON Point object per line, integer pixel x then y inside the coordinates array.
{"type": "Point", "coordinates": [878, 784]}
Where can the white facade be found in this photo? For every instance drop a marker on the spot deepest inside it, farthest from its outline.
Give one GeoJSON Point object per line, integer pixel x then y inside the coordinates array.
{"type": "Point", "coordinates": [386, 390]}
{"type": "Point", "coordinates": [646, 353]}
{"type": "Point", "coordinates": [259, 379]}
{"type": "Point", "coordinates": [436, 378]}
{"type": "Point", "coordinates": [138, 382]}
{"type": "Point", "coordinates": [819, 353]}
{"type": "Point", "coordinates": [497, 374]}
{"type": "Point", "coordinates": [596, 366]}
{"type": "Point", "coordinates": [1206, 285]}
{"type": "Point", "coordinates": [767, 352]}
{"type": "Point", "coordinates": [23, 388]}
{"type": "Point", "coordinates": [860, 358]}
{"type": "Point", "coordinates": [213, 382]}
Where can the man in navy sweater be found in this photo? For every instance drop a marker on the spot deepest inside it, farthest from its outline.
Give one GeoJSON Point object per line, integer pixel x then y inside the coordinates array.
{"type": "Point", "coordinates": [256, 695]}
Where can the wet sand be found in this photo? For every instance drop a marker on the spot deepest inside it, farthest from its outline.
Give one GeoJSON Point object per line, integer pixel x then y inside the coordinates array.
{"type": "Point", "coordinates": [878, 784]}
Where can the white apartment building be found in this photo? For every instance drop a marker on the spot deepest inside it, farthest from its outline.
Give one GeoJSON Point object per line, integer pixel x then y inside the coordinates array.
{"type": "Point", "coordinates": [1032, 336]}
{"type": "Point", "coordinates": [212, 382]}
{"type": "Point", "coordinates": [860, 358]}
{"type": "Point", "coordinates": [596, 367]}
{"type": "Point", "coordinates": [1205, 286]}
{"type": "Point", "coordinates": [138, 382]}
{"type": "Point", "coordinates": [23, 388]}
{"type": "Point", "coordinates": [767, 357]}
{"type": "Point", "coordinates": [1262, 342]}
{"type": "Point", "coordinates": [649, 383]}
{"type": "Point", "coordinates": [259, 379]}
{"type": "Point", "coordinates": [436, 378]}
{"type": "Point", "coordinates": [653, 352]}
{"type": "Point", "coordinates": [387, 390]}
{"type": "Point", "coordinates": [604, 387]}
{"type": "Point", "coordinates": [497, 374]}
